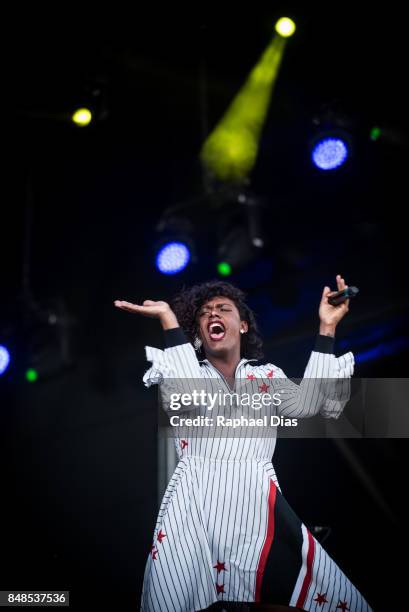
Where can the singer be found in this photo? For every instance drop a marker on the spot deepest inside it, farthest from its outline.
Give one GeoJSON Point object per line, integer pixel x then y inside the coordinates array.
{"type": "Point", "coordinates": [225, 537]}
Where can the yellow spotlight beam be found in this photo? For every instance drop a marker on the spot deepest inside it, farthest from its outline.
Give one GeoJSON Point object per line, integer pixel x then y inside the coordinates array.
{"type": "Point", "coordinates": [230, 151]}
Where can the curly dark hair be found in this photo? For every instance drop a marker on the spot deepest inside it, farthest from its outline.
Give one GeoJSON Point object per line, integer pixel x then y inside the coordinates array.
{"type": "Point", "coordinates": [186, 304]}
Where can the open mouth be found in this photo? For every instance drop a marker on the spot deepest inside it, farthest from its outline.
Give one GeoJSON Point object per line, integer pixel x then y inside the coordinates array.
{"type": "Point", "coordinates": [216, 330]}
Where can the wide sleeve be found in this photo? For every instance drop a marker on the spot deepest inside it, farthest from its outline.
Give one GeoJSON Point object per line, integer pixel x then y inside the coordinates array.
{"type": "Point", "coordinates": [325, 387]}
{"type": "Point", "coordinates": [177, 361]}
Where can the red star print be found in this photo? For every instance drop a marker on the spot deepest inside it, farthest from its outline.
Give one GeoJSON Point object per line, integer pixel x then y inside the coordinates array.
{"type": "Point", "coordinates": [270, 374]}
{"type": "Point", "coordinates": [321, 599]}
{"type": "Point", "coordinates": [251, 376]}
{"type": "Point", "coordinates": [343, 605]}
{"type": "Point", "coordinates": [220, 567]}
{"type": "Point", "coordinates": [219, 588]}
{"type": "Point", "coordinates": [161, 536]}
{"type": "Point", "coordinates": [183, 443]}
{"type": "Point", "coordinates": [263, 388]}
{"type": "Point", "coordinates": [154, 553]}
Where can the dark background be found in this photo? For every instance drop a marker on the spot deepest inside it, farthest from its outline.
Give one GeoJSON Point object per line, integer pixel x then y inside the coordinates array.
{"type": "Point", "coordinates": [79, 453]}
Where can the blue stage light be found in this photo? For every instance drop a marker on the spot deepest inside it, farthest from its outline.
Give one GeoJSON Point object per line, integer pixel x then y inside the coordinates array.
{"type": "Point", "coordinates": [329, 153]}
{"type": "Point", "coordinates": [4, 359]}
{"type": "Point", "coordinates": [172, 258]}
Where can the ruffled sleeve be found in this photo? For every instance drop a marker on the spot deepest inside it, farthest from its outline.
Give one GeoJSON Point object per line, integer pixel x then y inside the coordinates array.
{"type": "Point", "coordinates": [324, 389]}
{"type": "Point", "coordinates": [175, 362]}
{"type": "Point", "coordinates": [159, 369]}
{"type": "Point", "coordinates": [341, 370]}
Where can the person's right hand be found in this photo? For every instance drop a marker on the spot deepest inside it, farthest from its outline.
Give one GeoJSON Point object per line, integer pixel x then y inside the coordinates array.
{"type": "Point", "coordinates": [156, 310]}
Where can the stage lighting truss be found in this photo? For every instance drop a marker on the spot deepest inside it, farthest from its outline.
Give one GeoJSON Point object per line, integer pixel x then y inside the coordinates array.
{"type": "Point", "coordinates": [230, 218]}
{"type": "Point", "coordinates": [240, 230]}
{"type": "Point", "coordinates": [47, 338]}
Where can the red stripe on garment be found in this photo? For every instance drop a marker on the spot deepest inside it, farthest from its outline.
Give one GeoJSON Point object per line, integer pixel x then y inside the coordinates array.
{"type": "Point", "coordinates": [307, 578]}
{"type": "Point", "coordinates": [268, 540]}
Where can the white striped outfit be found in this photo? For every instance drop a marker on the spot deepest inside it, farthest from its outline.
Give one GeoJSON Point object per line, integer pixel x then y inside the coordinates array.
{"type": "Point", "coordinates": [224, 531]}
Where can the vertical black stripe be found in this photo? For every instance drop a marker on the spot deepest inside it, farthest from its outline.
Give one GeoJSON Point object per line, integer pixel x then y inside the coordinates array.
{"type": "Point", "coordinates": [284, 561]}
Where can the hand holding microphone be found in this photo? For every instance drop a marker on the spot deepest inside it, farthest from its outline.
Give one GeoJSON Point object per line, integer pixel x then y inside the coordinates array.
{"type": "Point", "coordinates": [341, 296]}
{"type": "Point", "coordinates": [334, 305]}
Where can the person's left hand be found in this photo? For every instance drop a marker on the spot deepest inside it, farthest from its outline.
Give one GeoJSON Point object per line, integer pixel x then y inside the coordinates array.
{"type": "Point", "coordinates": [330, 315]}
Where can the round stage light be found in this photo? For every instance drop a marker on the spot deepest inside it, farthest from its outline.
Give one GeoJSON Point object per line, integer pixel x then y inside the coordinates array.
{"type": "Point", "coordinates": [224, 268]}
{"type": "Point", "coordinates": [285, 27]}
{"type": "Point", "coordinates": [329, 153]}
{"type": "Point", "coordinates": [375, 133]}
{"type": "Point", "coordinates": [31, 375]}
{"type": "Point", "coordinates": [82, 117]}
{"type": "Point", "coordinates": [4, 359]}
{"type": "Point", "coordinates": [172, 258]}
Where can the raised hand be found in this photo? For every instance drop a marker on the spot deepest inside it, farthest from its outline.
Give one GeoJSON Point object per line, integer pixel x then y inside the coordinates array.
{"type": "Point", "coordinates": [156, 310]}
{"type": "Point", "coordinates": [330, 315]}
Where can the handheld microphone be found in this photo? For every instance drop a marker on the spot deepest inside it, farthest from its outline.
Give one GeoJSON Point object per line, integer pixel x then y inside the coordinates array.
{"type": "Point", "coordinates": [341, 296]}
